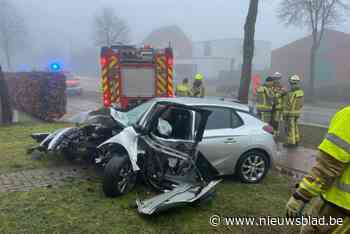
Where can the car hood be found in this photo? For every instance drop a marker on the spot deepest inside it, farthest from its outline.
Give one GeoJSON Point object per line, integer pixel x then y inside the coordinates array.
{"type": "Point", "coordinates": [88, 116]}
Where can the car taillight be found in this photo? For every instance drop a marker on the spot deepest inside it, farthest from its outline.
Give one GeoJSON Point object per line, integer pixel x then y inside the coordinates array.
{"type": "Point", "coordinates": [268, 128]}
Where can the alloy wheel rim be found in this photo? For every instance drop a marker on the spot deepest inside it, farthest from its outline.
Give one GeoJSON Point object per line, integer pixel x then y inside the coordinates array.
{"type": "Point", "coordinates": [253, 168]}
{"type": "Point", "coordinates": [127, 175]}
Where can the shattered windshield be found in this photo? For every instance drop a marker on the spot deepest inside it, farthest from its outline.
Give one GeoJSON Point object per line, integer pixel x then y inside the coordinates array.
{"type": "Point", "coordinates": [136, 113]}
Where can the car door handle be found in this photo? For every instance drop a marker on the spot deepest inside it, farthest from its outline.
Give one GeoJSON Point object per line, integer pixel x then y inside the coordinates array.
{"type": "Point", "coordinates": [230, 140]}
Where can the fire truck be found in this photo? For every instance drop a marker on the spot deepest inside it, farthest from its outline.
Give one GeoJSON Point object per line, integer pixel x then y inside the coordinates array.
{"type": "Point", "coordinates": [132, 75]}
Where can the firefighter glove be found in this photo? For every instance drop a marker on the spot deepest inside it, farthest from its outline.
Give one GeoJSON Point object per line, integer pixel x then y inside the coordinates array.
{"type": "Point", "coordinates": [295, 207]}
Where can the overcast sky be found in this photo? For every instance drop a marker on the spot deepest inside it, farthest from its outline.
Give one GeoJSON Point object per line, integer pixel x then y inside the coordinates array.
{"type": "Point", "coordinates": [201, 20]}
{"type": "Point", "coordinates": [54, 25]}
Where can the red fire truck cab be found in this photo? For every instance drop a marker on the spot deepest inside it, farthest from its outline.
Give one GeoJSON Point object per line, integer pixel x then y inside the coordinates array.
{"type": "Point", "coordinates": [132, 75]}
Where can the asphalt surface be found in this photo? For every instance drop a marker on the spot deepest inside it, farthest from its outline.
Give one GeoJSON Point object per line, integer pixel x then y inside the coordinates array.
{"type": "Point", "coordinates": [317, 115]}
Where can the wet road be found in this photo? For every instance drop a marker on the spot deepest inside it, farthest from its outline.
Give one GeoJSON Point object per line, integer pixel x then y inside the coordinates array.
{"type": "Point", "coordinates": [317, 115]}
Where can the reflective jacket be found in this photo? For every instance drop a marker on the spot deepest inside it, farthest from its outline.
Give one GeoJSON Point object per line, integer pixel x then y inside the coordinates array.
{"type": "Point", "coordinates": [198, 91]}
{"type": "Point", "coordinates": [279, 94]}
{"type": "Point", "coordinates": [182, 90]}
{"type": "Point", "coordinates": [264, 99]}
{"type": "Point", "coordinates": [337, 145]}
{"type": "Point", "coordinates": [293, 104]}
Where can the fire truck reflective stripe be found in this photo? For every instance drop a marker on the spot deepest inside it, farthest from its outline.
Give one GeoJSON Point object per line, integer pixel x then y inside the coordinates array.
{"type": "Point", "coordinates": [161, 80]}
{"type": "Point", "coordinates": [161, 84]}
{"type": "Point", "coordinates": [170, 72]}
{"type": "Point", "coordinates": [170, 82]}
{"type": "Point", "coordinates": [112, 91]}
{"type": "Point", "coordinates": [161, 61]}
{"type": "Point", "coordinates": [114, 82]}
{"type": "Point", "coordinates": [113, 62]}
{"type": "Point", "coordinates": [161, 88]}
{"type": "Point", "coordinates": [104, 72]}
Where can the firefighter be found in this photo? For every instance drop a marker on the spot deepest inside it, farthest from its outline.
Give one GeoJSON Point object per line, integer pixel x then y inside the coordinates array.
{"type": "Point", "coordinates": [328, 181]}
{"type": "Point", "coordinates": [265, 100]}
{"type": "Point", "coordinates": [293, 105]}
{"type": "Point", "coordinates": [198, 89]}
{"type": "Point", "coordinates": [183, 89]}
{"type": "Point", "coordinates": [277, 111]}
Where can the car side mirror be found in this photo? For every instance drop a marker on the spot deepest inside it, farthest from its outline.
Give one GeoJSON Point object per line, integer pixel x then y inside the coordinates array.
{"type": "Point", "coordinates": [164, 128]}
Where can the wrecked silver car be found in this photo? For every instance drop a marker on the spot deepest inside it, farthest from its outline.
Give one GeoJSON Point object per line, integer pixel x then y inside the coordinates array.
{"type": "Point", "coordinates": [159, 146]}
{"type": "Point", "coordinates": [166, 158]}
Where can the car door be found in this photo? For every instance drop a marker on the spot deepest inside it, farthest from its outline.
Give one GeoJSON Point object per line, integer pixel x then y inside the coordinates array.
{"type": "Point", "coordinates": [196, 183]}
{"type": "Point", "coordinates": [195, 133]}
{"type": "Point", "coordinates": [224, 139]}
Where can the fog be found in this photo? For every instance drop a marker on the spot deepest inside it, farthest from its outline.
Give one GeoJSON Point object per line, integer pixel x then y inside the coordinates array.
{"type": "Point", "coordinates": [59, 28]}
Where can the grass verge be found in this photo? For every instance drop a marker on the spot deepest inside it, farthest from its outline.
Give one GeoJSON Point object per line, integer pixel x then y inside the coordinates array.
{"type": "Point", "coordinates": [81, 207]}
{"type": "Point", "coordinates": [15, 140]}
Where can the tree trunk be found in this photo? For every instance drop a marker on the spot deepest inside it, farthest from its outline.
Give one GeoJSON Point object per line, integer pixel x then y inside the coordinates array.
{"type": "Point", "coordinates": [5, 102]}
{"type": "Point", "coordinates": [310, 95]}
{"type": "Point", "coordinates": [8, 59]}
{"type": "Point", "coordinates": [248, 51]}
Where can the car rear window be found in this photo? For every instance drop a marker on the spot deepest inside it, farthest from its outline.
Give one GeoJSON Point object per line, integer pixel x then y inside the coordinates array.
{"type": "Point", "coordinates": [222, 118]}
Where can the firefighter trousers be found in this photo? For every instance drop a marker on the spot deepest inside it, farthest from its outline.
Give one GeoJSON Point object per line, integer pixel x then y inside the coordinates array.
{"type": "Point", "coordinates": [321, 208]}
{"type": "Point", "coordinates": [265, 116]}
{"type": "Point", "coordinates": [292, 130]}
{"type": "Point", "coordinates": [277, 117]}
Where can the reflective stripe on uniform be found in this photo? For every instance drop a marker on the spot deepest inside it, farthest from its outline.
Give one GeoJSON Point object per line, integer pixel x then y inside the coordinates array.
{"type": "Point", "coordinates": [312, 187]}
{"type": "Point", "coordinates": [263, 108]}
{"type": "Point", "coordinates": [342, 186]}
{"type": "Point", "coordinates": [338, 141]}
{"type": "Point", "coordinates": [292, 113]}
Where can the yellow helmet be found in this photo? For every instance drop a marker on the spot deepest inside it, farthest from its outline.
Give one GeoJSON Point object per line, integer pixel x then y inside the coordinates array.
{"type": "Point", "coordinates": [199, 77]}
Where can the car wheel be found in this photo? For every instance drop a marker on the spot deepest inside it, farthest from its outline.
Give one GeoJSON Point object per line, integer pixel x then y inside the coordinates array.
{"type": "Point", "coordinates": [252, 167]}
{"type": "Point", "coordinates": [119, 177]}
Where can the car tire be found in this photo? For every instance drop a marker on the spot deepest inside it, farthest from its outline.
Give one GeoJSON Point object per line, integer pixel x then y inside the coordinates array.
{"type": "Point", "coordinates": [119, 178]}
{"type": "Point", "coordinates": [252, 167]}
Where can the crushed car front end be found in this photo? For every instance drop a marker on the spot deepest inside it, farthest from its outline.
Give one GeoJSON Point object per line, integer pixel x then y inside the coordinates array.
{"type": "Point", "coordinates": [167, 161]}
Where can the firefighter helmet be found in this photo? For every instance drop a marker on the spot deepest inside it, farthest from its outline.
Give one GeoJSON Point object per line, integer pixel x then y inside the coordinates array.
{"type": "Point", "coordinates": [294, 79]}
{"type": "Point", "coordinates": [277, 75]}
{"type": "Point", "coordinates": [199, 77]}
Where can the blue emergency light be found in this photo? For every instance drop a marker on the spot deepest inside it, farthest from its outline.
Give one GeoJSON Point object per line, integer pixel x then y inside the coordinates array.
{"type": "Point", "coordinates": [55, 67]}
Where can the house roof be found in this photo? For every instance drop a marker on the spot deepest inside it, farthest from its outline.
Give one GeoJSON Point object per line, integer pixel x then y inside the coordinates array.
{"type": "Point", "coordinates": [334, 39]}
{"type": "Point", "coordinates": [174, 35]}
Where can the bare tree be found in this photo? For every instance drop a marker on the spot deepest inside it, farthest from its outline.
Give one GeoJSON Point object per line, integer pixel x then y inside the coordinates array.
{"type": "Point", "coordinates": [248, 51]}
{"type": "Point", "coordinates": [109, 29]}
{"type": "Point", "coordinates": [316, 15]}
{"type": "Point", "coordinates": [12, 30]}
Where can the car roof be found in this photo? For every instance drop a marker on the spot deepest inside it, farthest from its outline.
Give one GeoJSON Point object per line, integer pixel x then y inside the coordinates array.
{"type": "Point", "coordinates": [206, 102]}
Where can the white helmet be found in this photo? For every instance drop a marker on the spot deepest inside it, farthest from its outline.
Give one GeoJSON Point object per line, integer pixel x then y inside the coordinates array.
{"type": "Point", "coordinates": [294, 79]}
{"type": "Point", "coordinates": [277, 75]}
